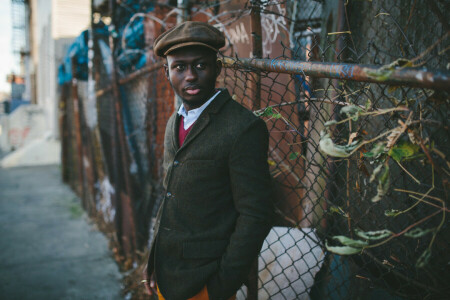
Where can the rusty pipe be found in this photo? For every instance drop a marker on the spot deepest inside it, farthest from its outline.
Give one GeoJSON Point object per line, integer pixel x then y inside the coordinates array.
{"type": "Point", "coordinates": [433, 79]}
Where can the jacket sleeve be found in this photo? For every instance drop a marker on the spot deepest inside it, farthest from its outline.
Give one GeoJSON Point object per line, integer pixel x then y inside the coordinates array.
{"type": "Point", "coordinates": [252, 195]}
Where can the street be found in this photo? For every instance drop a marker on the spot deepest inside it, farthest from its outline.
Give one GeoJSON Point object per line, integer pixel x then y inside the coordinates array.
{"type": "Point", "coordinates": [49, 249]}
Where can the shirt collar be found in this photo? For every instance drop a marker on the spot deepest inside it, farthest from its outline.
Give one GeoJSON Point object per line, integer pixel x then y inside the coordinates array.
{"type": "Point", "coordinates": [189, 117]}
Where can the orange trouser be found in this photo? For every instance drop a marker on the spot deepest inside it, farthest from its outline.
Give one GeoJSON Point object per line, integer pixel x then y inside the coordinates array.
{"type": "Point", "coordinates": [202, 295]}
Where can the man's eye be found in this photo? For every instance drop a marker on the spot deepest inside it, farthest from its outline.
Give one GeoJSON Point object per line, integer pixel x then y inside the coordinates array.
{"type": "Point", "coordinates": [179, 67]}
{"type": "Point", "coordinates": [201, 66]}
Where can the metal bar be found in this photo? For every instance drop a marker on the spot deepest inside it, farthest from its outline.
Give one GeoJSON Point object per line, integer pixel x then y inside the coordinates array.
{"type": "Point", "coordinates": [255, 87]}
{"type": "Point", "coordinates": [257, 52]}
{"type": "Point", "coordinates": [433, 79]}
{"type": "Point", "coordinates": [90, 166]}
{"type": "Point", "coordinates": [127, 216]}
{"type": "Point", "coordinates": [132, 77]}
{"type": "Point", "coordinates": [65, 130]}
{"type": "Point", "coordinates": [76, 110]}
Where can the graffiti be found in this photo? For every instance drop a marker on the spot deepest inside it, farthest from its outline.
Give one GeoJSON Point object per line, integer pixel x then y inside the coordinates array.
{"type": "Point", "coordinates": [17, 136]}
{"type": "Point", "coordinates": [239, 34]}
{"type": "Point", "coordinates": [104, 201]}
{"type": "Point", "coordinates": [235, 35]}
{"type": "Point", "coordinates": [341, 71]}
{"type": "Point", "coordinates": [272, 26]}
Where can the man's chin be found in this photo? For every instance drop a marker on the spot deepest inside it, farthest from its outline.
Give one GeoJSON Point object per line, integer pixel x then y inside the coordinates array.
{"type": "Point", "coordinates": [194, 103]}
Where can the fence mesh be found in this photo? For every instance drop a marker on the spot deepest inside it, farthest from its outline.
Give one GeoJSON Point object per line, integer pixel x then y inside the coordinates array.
{"type": "Point", "coordinates": [360, 164]}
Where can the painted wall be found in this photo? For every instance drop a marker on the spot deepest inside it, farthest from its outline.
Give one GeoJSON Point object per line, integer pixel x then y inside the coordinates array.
{"type": "Point", "coordinates": [22, 126]}
{"type": "Point", "coordinates": [55, 23]}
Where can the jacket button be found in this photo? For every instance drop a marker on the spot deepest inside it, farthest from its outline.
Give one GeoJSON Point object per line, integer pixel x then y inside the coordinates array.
{"type": "Point", "coordinates": [169, 194]}
{"type": "Point", "coordinates": [176, 163]}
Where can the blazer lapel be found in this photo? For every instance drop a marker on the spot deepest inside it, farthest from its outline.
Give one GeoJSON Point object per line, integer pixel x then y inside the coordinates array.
{"type": "Point", "coordinates": [172, 127]}
{"type": "Point", "coordinates": [198, 127]}
{"type": "Point", "coordinates": [204, 119]}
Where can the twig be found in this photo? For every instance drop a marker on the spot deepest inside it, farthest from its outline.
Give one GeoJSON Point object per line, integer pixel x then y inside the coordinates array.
{"type": "Point", "coordinates": [371, 140]}
{"type": "Point", "coordinates": [375, 113]}
{"type": "Point", "coordinates": [429, 203]}
{"type": "Point", "coordinates": [439, 227]}
{"type": "Point", "coordinates": [340, 32]}
{"type": "Point", "coordinates": [406, 171]}
{"type": "Point", "coordinates": [420, 194]}
{"type": "Point", "coordinates": [404, 230]}
{"type": "Point", "coordinates": [421, 55]}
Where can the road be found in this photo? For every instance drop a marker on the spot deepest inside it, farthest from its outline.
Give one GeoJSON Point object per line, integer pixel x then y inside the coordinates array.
{"type": "Point", "coordinates": [49, 249]}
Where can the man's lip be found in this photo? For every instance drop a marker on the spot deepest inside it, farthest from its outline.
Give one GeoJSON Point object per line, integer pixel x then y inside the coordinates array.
{"type": "Point", "coordinates": [192, 90]}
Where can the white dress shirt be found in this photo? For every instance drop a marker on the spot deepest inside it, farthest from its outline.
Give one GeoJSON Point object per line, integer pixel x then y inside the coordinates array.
{"type": "Point", "coordinates": [189, 117]}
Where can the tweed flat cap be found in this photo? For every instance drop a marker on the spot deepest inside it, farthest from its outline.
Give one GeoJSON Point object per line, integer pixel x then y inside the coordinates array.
{"type": "Point", "coordinates": [189, 34]}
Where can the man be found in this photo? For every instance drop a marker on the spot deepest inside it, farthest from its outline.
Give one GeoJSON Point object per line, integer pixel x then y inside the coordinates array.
{"type": "Point", "coordinates": [217, 209]}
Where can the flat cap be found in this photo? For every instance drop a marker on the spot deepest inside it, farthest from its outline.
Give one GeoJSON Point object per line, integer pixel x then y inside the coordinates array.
{"type": "Point", "coordinates": [189, 33]}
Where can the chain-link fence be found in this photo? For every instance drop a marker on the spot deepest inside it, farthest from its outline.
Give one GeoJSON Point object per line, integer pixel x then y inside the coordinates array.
{"type": "Point", "coordinates": [355, 97]}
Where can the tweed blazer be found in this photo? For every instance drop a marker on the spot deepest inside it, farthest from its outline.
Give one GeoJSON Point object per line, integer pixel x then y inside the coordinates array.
{"type": "Point", "coordinates": [217, 207]}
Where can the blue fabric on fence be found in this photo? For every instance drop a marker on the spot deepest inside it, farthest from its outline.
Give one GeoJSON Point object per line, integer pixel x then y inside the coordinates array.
{"type": "Point", "coordinates": [131, 58]}
{"type": "Point", "coordinates": [78, 50]}
{"type": "Point", "coordinates": [134, 34]}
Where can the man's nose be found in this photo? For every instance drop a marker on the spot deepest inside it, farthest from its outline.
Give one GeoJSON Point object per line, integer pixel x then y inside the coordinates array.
{"type": "Point", "coordinates": [191, 74]}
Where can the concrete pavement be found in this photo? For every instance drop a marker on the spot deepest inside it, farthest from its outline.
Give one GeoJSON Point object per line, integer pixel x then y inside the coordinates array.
{"type": "Point", "coordinates": [48, 249]}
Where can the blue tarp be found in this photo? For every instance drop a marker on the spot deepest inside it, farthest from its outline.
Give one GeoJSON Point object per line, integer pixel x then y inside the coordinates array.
{"type": "Point", "coordinates": [79, 51]}
{"type": "Point", "coordinates": [131, 58]}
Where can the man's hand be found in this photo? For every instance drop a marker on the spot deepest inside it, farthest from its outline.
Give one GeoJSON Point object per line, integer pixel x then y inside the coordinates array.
{"type": "Point", "coordinates": [149, 283]}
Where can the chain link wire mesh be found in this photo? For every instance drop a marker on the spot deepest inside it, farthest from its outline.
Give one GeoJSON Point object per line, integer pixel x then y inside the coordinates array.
{"type": "Point", "coordinates": [360, 167]}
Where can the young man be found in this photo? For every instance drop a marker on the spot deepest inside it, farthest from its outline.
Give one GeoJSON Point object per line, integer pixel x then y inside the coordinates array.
{"type": "Point", "coordinates": [218, 204]}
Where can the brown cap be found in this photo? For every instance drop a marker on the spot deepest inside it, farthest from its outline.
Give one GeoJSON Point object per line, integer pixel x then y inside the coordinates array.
{"type": "Point", "coordinates": [189, 34]}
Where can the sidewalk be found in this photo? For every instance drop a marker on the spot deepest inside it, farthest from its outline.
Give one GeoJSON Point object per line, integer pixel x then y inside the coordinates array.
{"type": "Point", "coordinates": [48, 248]}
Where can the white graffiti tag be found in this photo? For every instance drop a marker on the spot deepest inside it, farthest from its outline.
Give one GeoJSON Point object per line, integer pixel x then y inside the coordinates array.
{"type": "Point", "coordinates": [272, 25]}
{"type": "Point", "coordinates": [239, 34]}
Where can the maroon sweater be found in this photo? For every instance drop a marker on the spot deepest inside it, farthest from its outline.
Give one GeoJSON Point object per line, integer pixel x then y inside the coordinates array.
{"type": "Point", "coordinates": [182, 133]}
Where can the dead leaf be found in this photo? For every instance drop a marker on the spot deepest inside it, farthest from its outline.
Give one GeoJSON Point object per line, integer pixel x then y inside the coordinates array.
{"type": "Point", "coordinates": [352, 136]}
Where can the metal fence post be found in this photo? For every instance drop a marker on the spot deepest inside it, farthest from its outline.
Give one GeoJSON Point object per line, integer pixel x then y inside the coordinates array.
{"type": "Point", "coordinates": [125, 199]}
{"type": "Point", "coordinates": [76, 109]}
{"type": "Point", "coordinates": [257, 52]}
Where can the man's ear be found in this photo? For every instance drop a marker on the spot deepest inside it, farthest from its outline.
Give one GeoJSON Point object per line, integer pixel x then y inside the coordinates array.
{"type": "Point", "coordinates": [166, 70]}
{"type": "Point", "coordinates": [218, 67]}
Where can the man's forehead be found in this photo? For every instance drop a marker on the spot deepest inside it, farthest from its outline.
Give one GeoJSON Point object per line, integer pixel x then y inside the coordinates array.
{"type": "Point", "coordinates": [190, 54]}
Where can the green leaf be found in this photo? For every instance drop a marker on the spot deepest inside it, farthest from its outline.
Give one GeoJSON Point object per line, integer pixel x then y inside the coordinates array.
{"type": "Point", "coordinates": [368, 104]}
{"type": "Point", "coordinates": [352, 111]}
{"type": "Point", "coordinates": [383, 185]}
{"type": "Point", "coordinates": [377, 149]}
{"type": "Point", "coordinates": [373, 235]}
{"type": "Point", "coordinates": [380, 74]}
{"type": "Point", "coordinates": [385, 176]}
{"type": "Point", "coordinates": [424, 258]}
{"type": "Point", "coordinates": [403, 150]}
{"type": "Point", "coordinates": [418, 232]}
{"type": "Point", "coordinates": [293, 155]}
{"type": "Point", "coordinates": [343, 250]}
{"type": "Point", "coordinates": [276, 116]}
{"type": "Point", "coordinates": [375, 172]}
{"type": "Point", "coordinates": [392, 212]}
{"type": "Point", "coordinates": [329, 123]}
{"type": "Point", "coordinates": [350, 242]}
{"type": "Point", "coordinates": [386, 71]}
{"type": "Point", "coordinates": [266, 113]}
{"type": "Point", "coordinates": [328, 147]}
{"type": "Point", "coordinates": [337, 210]}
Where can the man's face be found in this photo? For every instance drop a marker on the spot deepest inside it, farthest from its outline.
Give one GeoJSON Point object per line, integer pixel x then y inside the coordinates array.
{"type": "Point", "coordinates": [192, 72]}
